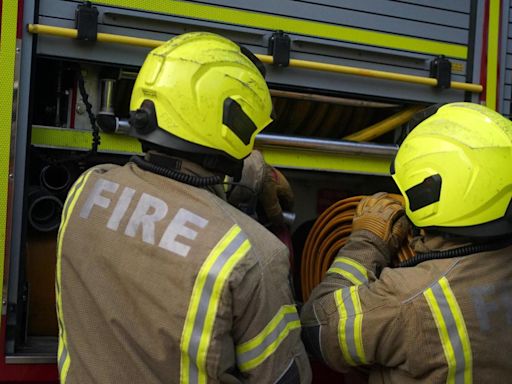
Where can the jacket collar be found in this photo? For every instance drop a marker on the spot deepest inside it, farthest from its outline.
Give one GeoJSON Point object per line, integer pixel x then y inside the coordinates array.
{"type": "Point", "coordinates": [185, 166]}
{"type": "Point", "coordinates": [428, 242]}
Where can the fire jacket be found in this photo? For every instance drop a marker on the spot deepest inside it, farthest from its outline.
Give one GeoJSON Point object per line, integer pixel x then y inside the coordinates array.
{"type": "Point", "coordinates": [442, 321]}
{"type": "Point", "coordinates": [161, 282]}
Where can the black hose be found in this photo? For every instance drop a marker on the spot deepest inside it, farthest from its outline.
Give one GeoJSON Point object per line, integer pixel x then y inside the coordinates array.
{"type": "Point", "coordinates": [457, 252]}
{"type": "Point", "coordinates": [44, 209]}
{"type": "Point", "coordinates": [96, 139]}
{"type": "Point", "coordinates": [55, 178]}
{"type": "Point", "coordinates": [195, 181]}
{"type": "Point", "coordinates": [88, 107]}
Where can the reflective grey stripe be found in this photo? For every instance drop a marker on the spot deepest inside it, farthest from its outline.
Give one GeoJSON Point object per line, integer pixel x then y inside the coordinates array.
{"type": "Point", "coordinates": [453, 334]}
{"type": "Point", "coordinates": [63, 357]}
{"type": "Point", "coordinates": [350, 325]}
{"type": "Point", "coordinates": [269, 339]}
{"type": "Point", "coordinates": [204, 301]}
{"type": "Point", "coordinates": [350, 269]}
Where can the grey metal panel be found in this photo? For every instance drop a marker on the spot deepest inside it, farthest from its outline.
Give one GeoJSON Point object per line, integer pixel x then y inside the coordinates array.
{"type": "Point", "coordinates": [307, 44]}
{"type": "Point", "coordinates": [389, 67]}
{"type": "Point", "coordinates": [508, 61]}
{"type": "Point", "coordinates": [332, 48]}
{"type": "Point", "coordinates": [506, 108]}
{"type": "Point", "coordinates": [360, 85]}
{"type": "Point", "coordinates": [138, 21]}
{"type": "Point", "coordinates": [398, 23]}
{"type": "Point", "coordinates": [404, 10]}
{"type": "Point", "coordinates": [104, 52]}
{"type": "Point", "coordinates": [149, 25]}
{"type": "Point", "coordinates": [507, 91]}
{"type": "Point", "coordinates": [132, 56]}
{"type": "Point", "coordinates": [505, 61]}
{"type": "Point", "coordinates": [457, 5]}
{"type": "Point", "coordinates": [398, 60]}
{"type": "Point", "coordinates": [335, 16]}
{"type": "Point", "coordinates": [162, 27]}
{"type": "Point", "coordinates": [157, 22]}
{"type": "Point", "coordinates": [502, 88]}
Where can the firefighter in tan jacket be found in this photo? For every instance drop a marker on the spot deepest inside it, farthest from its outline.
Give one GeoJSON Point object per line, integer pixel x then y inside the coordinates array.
{"type": "Point", "coordinates": [159, 279]}
{"type": "Point", "coordinates": [445, 316]}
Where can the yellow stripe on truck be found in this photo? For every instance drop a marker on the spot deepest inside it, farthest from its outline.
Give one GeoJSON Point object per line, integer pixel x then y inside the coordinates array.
{"type": "Point", "coordinates": [7, 61]}
{"type": "Point", "coordinates": [493, 39]}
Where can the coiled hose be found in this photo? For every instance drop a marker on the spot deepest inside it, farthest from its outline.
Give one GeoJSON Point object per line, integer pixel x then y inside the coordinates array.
{"type": "Point", "coordinates": [328, 235]}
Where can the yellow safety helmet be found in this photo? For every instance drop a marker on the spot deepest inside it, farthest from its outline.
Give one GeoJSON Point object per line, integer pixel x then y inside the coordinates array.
{"type": "Point", "coordinates": [201, 93]}
{"type": "Point", "coordinates": [454, 170]}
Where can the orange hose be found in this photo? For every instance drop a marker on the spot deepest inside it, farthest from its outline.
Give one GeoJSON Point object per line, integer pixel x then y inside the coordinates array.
{"type": "Point", "coordinates": [327, 236]}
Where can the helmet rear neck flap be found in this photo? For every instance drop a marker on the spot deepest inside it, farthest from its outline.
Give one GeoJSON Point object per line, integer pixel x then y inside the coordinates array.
{"type": "Point", "coordinates": [144, 126]}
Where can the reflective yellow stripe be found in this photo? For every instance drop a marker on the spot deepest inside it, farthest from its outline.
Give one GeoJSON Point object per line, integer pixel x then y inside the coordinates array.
{"type": "Point", "coordinates": [214, 301]}
{"type": "Point", "coordinates": [358, 324]}
{"type": "Point", "coordinates": [291, 25]}
{"type": "Point", "coordinates": [296, 158]}
{"type": "Point", "coordinates": [347, 275]}
{"type": "Point", "coordinates": [257, 340]}
{"type": "Point", "coordinates": [350, 326]}
{"type": "Point", "coordinates": [63, 350]}
{"type": "Point", "coordinates": [443, 334]}
{"type": "Point", "coordinates": [194, 302]}
{"type": "Point", "coordinates": [77, 139]}
{"type": "Point", "coordinates": [7, 62]}
{"type": "Point", "coordinates": [342, 339]}
{"type": "Point", "coordinates": [452, 332]}
{"type": "Point", "coordinates": [461, 329]}
{"type": "Point", "coordinates": [253, 352]}
{"type": "Point", "coordinates": [355, 264]}
{"type": "Point", "coordinates": [204, 303]}
{"type": "Point", "coordinates": [277, 156]}
{"type": "Point", "coordinates": [65, 369]}
{"type": "Point", "coordinates": [492, 53]}
{"type": "Point", "coordinates": [350, 270]}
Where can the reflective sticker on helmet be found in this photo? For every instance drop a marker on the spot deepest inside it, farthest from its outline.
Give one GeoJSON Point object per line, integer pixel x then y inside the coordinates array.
{"type": "Point", "coordinates": [237, 121]}
{"type": "Point", "coordinates": [425, 193]}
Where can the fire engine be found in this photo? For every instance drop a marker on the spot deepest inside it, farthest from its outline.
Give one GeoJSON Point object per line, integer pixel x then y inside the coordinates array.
{"type": "Point", "coordinates": [345, 78]}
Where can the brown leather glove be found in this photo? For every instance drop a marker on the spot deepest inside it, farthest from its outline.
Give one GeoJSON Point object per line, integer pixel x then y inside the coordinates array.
{"type": "Point", "coordinates": [384, 216]}
{"type": "Point", "coordinates": [270, 189]}
{"type": "Point", "coordinates": [276, 195]}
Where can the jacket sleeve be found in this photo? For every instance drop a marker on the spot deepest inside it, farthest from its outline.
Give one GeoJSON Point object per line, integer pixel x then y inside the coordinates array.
{"type": "Point", "coordinates": [354, 317]}
{"type": "Point", "coordinates": [267, 329]}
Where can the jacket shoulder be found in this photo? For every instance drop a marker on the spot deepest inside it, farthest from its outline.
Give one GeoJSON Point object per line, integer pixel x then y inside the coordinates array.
{"type": "Point", "coordinates": [259, 236]}
{"type": "Point", "coordinates": [409, 283]}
